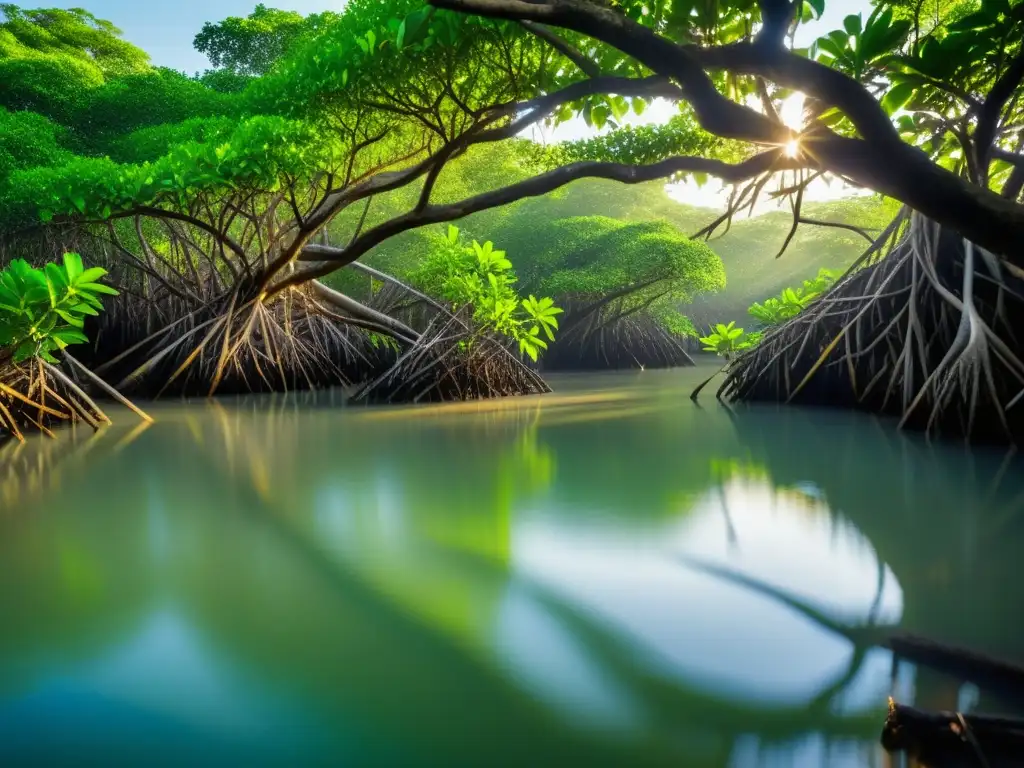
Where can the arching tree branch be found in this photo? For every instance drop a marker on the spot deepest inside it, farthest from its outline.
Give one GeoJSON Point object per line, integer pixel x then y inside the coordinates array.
{"type": "Point", "coordinates": [536, 186]}
{"type": "Point", "coordinates": [991, 110]}
{"type": "Point", "coordinates": [878, 160]}
{"type": "Point", "coordinates": [776, 18]}
{"type": "Point", "coordinates": [588, 67]}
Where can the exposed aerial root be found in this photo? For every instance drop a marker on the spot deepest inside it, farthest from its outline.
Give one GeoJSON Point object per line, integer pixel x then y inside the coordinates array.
{"type": "Point", "coordinates": [35, 397]}
{"type": "Point", "coordinates": [448, 364]}
{"type": "Point", "coordinates": [236, 345]}
{"type": "Point", "coordinates": [629, 341]}
{"type": "Point", "coordinates": [922, 328]}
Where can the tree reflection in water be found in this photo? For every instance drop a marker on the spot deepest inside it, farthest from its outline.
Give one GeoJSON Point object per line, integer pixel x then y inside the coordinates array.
{"type": "Point", "coordinates": [605, 570]}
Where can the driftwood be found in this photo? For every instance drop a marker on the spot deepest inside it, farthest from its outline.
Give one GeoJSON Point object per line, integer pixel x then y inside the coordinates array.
{"type": "Point", "coordinates": [949, 739]}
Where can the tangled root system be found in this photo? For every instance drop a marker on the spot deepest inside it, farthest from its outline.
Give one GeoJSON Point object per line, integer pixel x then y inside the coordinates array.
{"type": "Point", "coordinates": [634, 341]}
{"type": "Point", "coordinates": [922, 328]}
{"type": "Point", "coordinates": [449, 363]}
{"type": "Point", "coordinates": [36, 397]}
{"type": "Point", "coordinates": [235, 346]}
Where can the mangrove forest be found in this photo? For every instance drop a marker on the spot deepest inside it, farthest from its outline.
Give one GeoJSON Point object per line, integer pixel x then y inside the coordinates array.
{"type": "Point", "coordinates": [517, 285]}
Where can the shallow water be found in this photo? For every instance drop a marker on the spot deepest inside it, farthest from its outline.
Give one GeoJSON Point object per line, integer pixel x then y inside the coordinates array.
{"type": "Point", "coordinates": [598, 576]}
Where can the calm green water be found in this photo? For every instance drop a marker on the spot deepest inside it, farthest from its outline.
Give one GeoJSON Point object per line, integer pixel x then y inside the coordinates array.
{"type": "Point", "coordinates": [530, 582]}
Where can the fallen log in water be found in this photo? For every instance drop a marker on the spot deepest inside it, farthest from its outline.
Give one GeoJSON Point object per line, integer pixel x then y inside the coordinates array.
{"type": "Point", "coordinates": [999, 676]}
{"type": "Point", "coordinates": [952, 739]}
{"type": "Point", "coordinates": [996, 675]}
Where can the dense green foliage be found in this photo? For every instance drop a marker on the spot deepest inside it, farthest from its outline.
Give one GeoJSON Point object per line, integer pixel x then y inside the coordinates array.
{"type": "Point", "coordinates": [482, 278]}
{"type": "Point", "coordinates": [74, 93]}
{"type": "Point", "coordinates": [726, 339]}
{"type": "Point", "coordinates": [28, 140]}
{"type": "Point", "coordinates": [792, 301]}
{"type": "Point", "coordinates": [213, 196]}
{"type": "Point", "coordinates": [43, 311]}
{"type": "Point", "coordinates": [250, 46]}
{"type": "Point", "coordinates": [591, 260]}
{"type": "Point", "coordinates": [49, 58]}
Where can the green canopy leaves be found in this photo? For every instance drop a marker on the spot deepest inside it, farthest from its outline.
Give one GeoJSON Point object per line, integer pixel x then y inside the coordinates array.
{"type": "Point", "coordinates": [250, 46]}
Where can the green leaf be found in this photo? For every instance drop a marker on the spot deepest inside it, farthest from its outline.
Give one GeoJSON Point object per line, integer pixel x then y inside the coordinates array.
{"type": "Point", "coordinates": [838, 48]}
{"type": "Point", "coordinates": [84, 309]}
{"type": "Point", "coordinates": [57, 276]}
{"type": "Point", "coordinates": [897, 96]}
{"type": "Point", "coordinates": [97, 288]}
{"type": "Point", "coordinates": [73, 266]}
{"type": "Point", "coordinates": [853, 24]}
{"type": "Point", "coordinates": [70, 336]}
{"type": "Point", "coordinates": [24, 351]}
{"type": "Point", "coordinates": [70, 319]}
{"type": "Point", "coordinates": [91, 275]}
{"type": "Point", "coordinates": [416, 26]}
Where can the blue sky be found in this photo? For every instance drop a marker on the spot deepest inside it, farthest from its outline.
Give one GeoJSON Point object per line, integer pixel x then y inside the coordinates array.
{"type": "Point", "coordinates": [165, 28]}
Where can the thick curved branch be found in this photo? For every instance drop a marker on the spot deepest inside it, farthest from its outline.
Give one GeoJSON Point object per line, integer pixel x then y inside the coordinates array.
{"type": "Point", "coordinates": [991, 110]}
{"type": "Point", "coordinates": [588, 67]}
{"type": "Point", "coordinates": [1012, 189]}
{"type": "Point", "coordinates": [715, 113]}
{"type": "Point", "coordinates": [982, 216]}
{"type": "Point", "coordinates": [776, 18]}
{"type": "Point", "coordinates": [837, 225]}
{"type": "Point", "coordinates": [829, 86]}
{"type": "Point", "coordinates": [361, 312]}
{"type": "Point", "coordinates": [538, 185]}
{"type": "Point", "coordinates": [529, 112]}
{"type": "Point", "coordinates": [881, 161]}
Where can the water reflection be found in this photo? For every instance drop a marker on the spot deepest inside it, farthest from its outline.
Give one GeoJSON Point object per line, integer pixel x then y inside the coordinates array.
{"type": "Point", "coordinates": [606, 574]}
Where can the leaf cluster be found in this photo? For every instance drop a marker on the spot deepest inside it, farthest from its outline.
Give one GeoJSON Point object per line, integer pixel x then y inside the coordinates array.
{"type": "Point", "coordinates": [644, 144]}
{"type": "Point", "coordinates": [262, 152]}
{"type": "Point", "coordinates": [482, 278]}
{"type": "Point", "coordinates": [792, 301]}
{"type": "Point", "coordinates": [43, 311]}
{"type": "Point", "coordinates": [726, 340]}
{"type": "Point", "coordinates": [250, 46]}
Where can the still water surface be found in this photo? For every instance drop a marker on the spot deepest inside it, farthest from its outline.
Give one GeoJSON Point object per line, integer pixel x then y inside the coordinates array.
{"type": "Point", "coordinates": [596, 577]}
